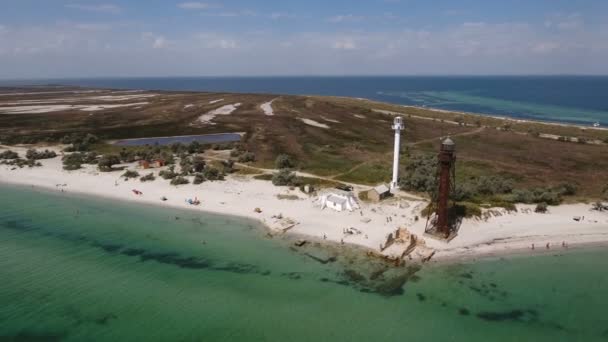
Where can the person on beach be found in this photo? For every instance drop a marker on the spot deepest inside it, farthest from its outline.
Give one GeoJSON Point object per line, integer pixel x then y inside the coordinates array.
{"type": "Point", "coordinates": [548, 245]}
{"type": "Point", "coordinates": [532, 246]}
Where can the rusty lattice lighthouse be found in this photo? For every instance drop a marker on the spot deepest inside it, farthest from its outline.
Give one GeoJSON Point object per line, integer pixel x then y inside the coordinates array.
{"type": "Point", "coordinates": [440, 225]}
{"type": "Point", "coordinates": [447, 161]}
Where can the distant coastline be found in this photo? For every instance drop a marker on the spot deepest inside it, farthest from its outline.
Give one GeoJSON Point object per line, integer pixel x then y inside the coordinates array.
{"type": "Point", "coordinates": [575, 100]}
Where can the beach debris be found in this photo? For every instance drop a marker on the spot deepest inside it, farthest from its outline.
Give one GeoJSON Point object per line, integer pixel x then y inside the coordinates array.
{"type": "Point", "coordinates": [137, 192]}
{"type": "Point", "coordinates": [576, 218]}
{"type": "Point", "coordinates": [193, 202]}
{"type": "Point", "coordinates": [351, 231]}
{"type": "Point", "coordinates": [257, 210]}
{"type": "Point", "coordinates": [163, 198]}
{"type": "Point", "coordinates": [300, 242]}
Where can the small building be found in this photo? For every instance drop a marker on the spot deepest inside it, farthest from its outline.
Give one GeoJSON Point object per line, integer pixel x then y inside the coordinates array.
{"type": "Point", "coordinates": [145, 164]}
{"type": "Point", "coordinates": [379, 193]}
{"type": "Point", "coordinates": [338, 200]}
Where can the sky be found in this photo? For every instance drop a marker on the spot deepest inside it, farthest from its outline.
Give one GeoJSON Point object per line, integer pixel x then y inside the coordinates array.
{"type": "Point", "coordinates": [139, 38]}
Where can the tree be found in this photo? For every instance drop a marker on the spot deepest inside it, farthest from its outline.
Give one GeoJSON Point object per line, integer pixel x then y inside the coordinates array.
{"type": "Point", "coordinates": [213, 174]}
{"type": "Point", "coordinates": [73, 161]}
{"type": "Point", "coordinates": [541, 208]}
{"type": "Point", "coordinates": [130, 174]}
{"type": "Point", "coordinates": [147, 178]}
{"type": "Point", "coordinates": [247, 157]}
{"type": "Point", "coordinates": [283, 161]}
{"type": "Point", "coordinates": [179, 181]}
{"type": "Point", "coordinates": [198, 164]}
{"type": "Point", "coordinates": [8, 154]}
{"type": "Point", "coordinates": [284, 177]}
{"type": "Point", "coordinates": [228, 166]}
{"type": "Point", "coordinates": [599, 206]}
{"type": "Point", "coordinates": [106, 162]}
{"type": "Point", "coordinates": [198, 179]}
{"type": "Point", "coordinates": [168, 174]}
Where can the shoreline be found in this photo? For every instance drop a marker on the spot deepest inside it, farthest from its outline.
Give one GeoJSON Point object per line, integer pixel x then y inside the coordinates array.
{"type": "Point", "coordinates": [285, 211]}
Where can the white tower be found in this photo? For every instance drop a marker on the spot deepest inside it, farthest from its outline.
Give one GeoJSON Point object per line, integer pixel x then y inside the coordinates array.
{"type": "Point", "coordinates": [398, 126]}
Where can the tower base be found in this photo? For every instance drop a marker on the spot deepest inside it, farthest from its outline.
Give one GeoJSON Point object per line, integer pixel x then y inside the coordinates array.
{"type": "Point", "coordinates": [434, 234]}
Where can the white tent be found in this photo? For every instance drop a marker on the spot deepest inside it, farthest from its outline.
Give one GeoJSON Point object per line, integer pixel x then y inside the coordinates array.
{"type": "Point", "coordinates": [338, 200]}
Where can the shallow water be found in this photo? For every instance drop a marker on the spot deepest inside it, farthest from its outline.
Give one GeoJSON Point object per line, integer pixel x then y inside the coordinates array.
{"type": "Point", "coordinates": [568, 99]}
{"type": "Point", "coordinates": [75, 268]}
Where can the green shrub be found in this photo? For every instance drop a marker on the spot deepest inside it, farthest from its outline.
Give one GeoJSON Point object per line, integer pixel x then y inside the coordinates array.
{"type": "Point", "coordinates": [106, 162]}
{"type": "Point", "coordinates": [148, 178]}
{"type": "Point", "coordinates": [73, 161]}
{"type": "Point", "coordinates": [212, 174]}
{"type": "Point", "coordinates": [247, 157]}
{"type": "Point", "coordinates": [566, 189]}
{"type": "Point", "coordinates": [36, 155]}
{"type": "Point", "coordinates": [420, 174]}
{"type": "Point", "coordinates": [198, 164]}
{"type": "Point", "coordinates": [284, 161]}
{"type": "Point", "coordinates": [130, 174]}
{"type": "Point", "coordinates": [541, 208]}
{"type": "Point", "coordinates": [284, 178]}
{"type": "Point", "coordinates": [8, 154]}
{"type": "Point", "coordinates": [227, 166]}
{"type": "Point", "coordinates": [168, 174]}
{"type": "Point", "coordinates": [198, 179]}
{"type": "Point", "coordinates": [179, 180]}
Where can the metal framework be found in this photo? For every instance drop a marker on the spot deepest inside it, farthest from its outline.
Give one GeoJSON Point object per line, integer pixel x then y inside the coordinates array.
{"type": "Point", "coordinates": [440, 224]}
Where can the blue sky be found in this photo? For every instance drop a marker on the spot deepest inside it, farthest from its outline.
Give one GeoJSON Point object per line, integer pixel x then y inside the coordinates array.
{"type": "Point", "coordinates": [88, 38]}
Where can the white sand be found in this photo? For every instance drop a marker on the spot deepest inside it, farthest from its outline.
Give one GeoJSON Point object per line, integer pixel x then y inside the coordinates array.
{"type": "Point", "coordinates": [267, 108]}
{"type": "Point", "coordinates": [224, 110]}
{"type": "Point", "coordinates": [240, 195]}
{"type": "Point", "coordinates": [56, 108]}
{"type": "Point", "coordinates": [360, 116]}
{"type": "Point", "coordinates": [313, 123]}
{"type": "Point", "coordinates": [215, 101]}
{"type": "Point", "coordinates": [188, 106]}
{"type": "Point", "coordinates": [329, 120]}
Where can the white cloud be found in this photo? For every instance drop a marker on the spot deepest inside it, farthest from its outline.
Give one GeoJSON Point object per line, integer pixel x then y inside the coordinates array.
{"type": "Point", "coordinates": [545, 47]}
{"type": "Point", "coordinates": [104, 8]}
{"type": "Point", "coordinates": [159, 43]}
{"type": "Point", "coordinates": [344, 18]}
{"type": "Point", "coordinates": [194, 5]}
{"type": "Point", "coordinates": [571, 21]}
{"type": "Point", "coordinates": [344, 44]}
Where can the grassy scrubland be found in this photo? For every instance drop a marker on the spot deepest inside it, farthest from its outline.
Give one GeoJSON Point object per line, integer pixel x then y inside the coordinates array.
{"type": "Point", "coordinates": [357, 145]}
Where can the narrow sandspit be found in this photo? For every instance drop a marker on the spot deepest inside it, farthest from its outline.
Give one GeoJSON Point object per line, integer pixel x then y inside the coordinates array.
{"type": "Point", "coordinates": [267, 108]}
{"type": "Point", "coordinates": [329, 120]}
{"type": "Point", "coordinates": [57, 108]}
{"type": "Point", "coordinates": [313, 123]}
{"type": "Point", "coordinates": [224, 110]}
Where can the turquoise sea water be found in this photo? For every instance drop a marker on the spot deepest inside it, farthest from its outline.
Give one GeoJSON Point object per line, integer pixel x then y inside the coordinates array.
{"type": "Point", "coordinates": [80, 269]}
{"type": "Point", "coordinates": [569, 99]}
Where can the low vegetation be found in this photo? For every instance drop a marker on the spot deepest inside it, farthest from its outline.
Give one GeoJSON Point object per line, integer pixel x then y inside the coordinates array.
{"type": "Point", "coordinates": [179, 180]}
{"type": "Point", "coordinates": [130, 174]}
{"type": "Point", "coordinates": [8, 154]}
{"type": "Point", "coordinates": [148, 178]}
{"type": "Point", "coordinates": [36, 155]}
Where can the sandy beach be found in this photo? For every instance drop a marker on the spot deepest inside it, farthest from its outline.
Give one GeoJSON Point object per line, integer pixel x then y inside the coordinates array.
{"type": "Point", "coordinates": [292, 211]}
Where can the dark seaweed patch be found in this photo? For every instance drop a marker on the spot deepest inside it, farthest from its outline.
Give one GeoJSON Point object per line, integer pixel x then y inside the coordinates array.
{"type": "Point", "coordinates": [421, 297]}
{"type": "Point", "coordinates": [464, 312]}
{"type": "Point", "coordinates": [30, 336]}
{"type": "Point", "coordinates": [466, 275]}
{"type": "Point", "coordinates": [513, 315]}
{"type": "Point", "coordinates": [105, 319]}
{"type": "Point", "coordinates": [292, 275]}
{"type": "Point", "coordinates": [353, 275]}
